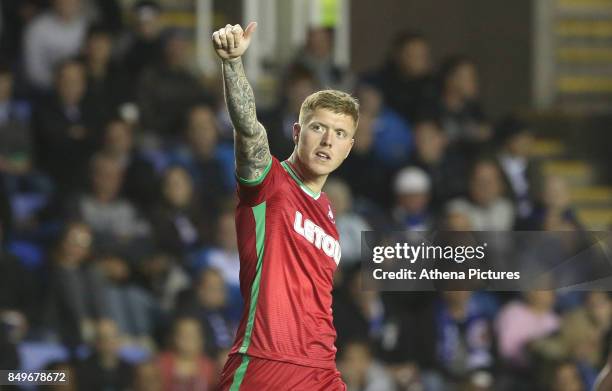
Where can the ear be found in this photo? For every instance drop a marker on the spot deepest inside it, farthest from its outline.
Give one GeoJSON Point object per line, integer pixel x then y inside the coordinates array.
{"type": "Point", "coordinates": [296, 133]}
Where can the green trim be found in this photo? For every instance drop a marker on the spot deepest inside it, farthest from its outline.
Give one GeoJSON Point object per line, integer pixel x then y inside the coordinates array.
{"type": "Point", "coordinates": [258, 180]}
{"type": "Point", "coordinates": [239, 374]}
{"type": "Point", "coordinates": [259, 212]}
{"type": "Point", "coordinates": [295, 177]}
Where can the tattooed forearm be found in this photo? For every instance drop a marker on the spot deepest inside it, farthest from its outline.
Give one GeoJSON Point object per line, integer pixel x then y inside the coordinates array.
{"type": "Point", "coordinates": [250, 139]}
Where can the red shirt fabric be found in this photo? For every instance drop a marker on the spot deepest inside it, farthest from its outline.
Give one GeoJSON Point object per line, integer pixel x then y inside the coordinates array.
{"type": "Point", "coordinates": [289, 250]}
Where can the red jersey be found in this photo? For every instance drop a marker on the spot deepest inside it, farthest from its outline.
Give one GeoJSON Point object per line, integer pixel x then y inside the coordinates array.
{"type": "Point", "coordinates": [289, 250]}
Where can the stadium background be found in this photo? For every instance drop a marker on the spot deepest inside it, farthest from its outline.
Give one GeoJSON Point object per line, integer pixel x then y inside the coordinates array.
{"type": "Point", "coordinates": [116, 195]}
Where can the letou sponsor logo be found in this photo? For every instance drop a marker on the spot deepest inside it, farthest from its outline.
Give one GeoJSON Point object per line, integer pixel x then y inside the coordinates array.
{"type": "Point", "coordinates": [317, 236]}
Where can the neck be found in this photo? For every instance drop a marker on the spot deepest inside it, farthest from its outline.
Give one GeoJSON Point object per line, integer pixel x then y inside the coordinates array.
{"type": "Point", "coordinates": [313, 182]}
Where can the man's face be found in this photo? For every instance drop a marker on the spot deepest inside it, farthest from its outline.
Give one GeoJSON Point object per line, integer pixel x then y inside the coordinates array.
{"type": "Point", "coordinates": [211, 290]}
{"type": "Point", "coordinates": [108, 338]}
{"type": "Point", "coordinates": [485, 184]}
{"type": "Point", "coordinates": [202, 130]}
{"type": "Point", "coordinates": [71, 83]}
{"type": "Point", "coordinates": [414, 58]}
{"type": "Point", "coordinates": [465, 81]}
{"type": "Point", "coordinates": [430, 141]}
{"type": "Point", "coordinates": [99, 48]}
{"type": "Point", "coordinates": [118, 138]}
{"type": "Point", "coordinates": [67, 8]}
{"type": "Point", "coordinates": [177, 51]}
{"type": "Point", "coordinates": [106, 178]}
{"type": "Point", "coordinates": [188, 339]}
{"type": "Point", "coordinates": [324, 140]}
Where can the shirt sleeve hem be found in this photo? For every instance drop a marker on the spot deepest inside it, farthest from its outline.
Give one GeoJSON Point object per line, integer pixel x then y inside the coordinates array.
{"type": "Point", "coordinates": [258, 180]}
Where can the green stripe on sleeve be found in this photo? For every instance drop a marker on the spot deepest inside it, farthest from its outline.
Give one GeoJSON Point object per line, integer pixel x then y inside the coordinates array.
{"type": "Point", "coordinates": [256, 181]}
{"type": "Point", "coordinates": [240, 372]}
{"type": "Point", "coordinates": [259, 212]}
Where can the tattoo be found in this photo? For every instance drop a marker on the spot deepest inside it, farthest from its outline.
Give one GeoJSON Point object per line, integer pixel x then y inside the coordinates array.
{"type": "Point", "coordinates": [250, 138]}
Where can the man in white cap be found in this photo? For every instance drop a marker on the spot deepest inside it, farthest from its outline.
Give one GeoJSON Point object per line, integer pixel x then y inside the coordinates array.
{"type": "Point", "coordinates": [412, 188]}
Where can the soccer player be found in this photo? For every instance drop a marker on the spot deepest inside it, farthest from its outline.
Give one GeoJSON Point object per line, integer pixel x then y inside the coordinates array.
{"type": "Point", "coordinates": [287, 238]}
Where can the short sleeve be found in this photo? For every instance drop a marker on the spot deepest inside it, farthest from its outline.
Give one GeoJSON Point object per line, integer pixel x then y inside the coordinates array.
{"type": "Point", "coordinates": [255, 191]}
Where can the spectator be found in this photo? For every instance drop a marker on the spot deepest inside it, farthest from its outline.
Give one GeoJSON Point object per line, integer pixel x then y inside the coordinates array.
{"type": "Point", "coordinates": [51, 38]}
{"type": "Point", "coordinates": [164, 277]}
{"type": "Point", "coordinates": [393, 141]}
{"type": "Point", "coordinates": [515, 140]}
{"type": "Point", "coordinates": [486, 206]}
{"type": "Point", "coordinates": [349, 223]}
{"type": "Point", "coordinates": [360, 371]}
{"type": "Point", "coordinates": [317, 56]}
{"type": "Point", "coordinates": [446, 169]}
{"type": "Point", "coordinates": [209, 162]}
{"type": "Point", "coordinates": [185, 367]}
{"type": "Point", "coordinates": [581, 336]}
{"type": "Point", "coordinates": [554, 211]}
{"type": "Point", "coordinates": [299, 83]}
{"type": "Point", "coordinates": [358, 313]}
{"type": "Point", "coordinates": [15, 139]}
{"type": "Point", "coordinates": [140, 184]}
{"type": "Point", "coordinates": [362, 171]}
{"type": "Point", "coordinates": [406, 79]}
{"type": "Point", "coordinates": [13, 327]}
{"type": "Point", "coordinates": [104, 369]}
{"type": "Point", "coordinates": [464, 336]}
{"type": "Point", "coordinates": [106, 82]}
{"type": "Point", "coordinates": [223, 256]}
{"type": "Point", "coordinates": [168, 90]}
{"type": "Point", "coordinates": [460, 112]}
{"type": "Point", "coordinates": [147, 377]}
{"type": "Point", "coordinates": [66, 367]}
{"type": "Point", "coordinates": [522, 322]}
{"type": "Point", "coordinates": [114, 220]}
{"type": "Point", "coordinates": [566, 377]}
{"type": "Point", "coordinates": [75, 296]}
{"type": "Point", "coordinates": [181, 223]}
{"type": "Point", "coordinates": [456, 218]}
{"type": "Point", "coordinates": [18, 288]}
{"type": "Point", "coordinates": [209, 303]}
{"type": "Point", "coordinates": [412, 189]}
{"type": "Point", "coordinates": [131, 308]}
{"type": "Point", "coordinates": [65, 130]}
{"type": "Point", "coordinates": [143, 46]}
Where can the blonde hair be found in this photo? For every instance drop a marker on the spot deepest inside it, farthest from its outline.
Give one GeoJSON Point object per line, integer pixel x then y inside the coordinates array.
{"type": "Point", "coordinates": [336, 101]}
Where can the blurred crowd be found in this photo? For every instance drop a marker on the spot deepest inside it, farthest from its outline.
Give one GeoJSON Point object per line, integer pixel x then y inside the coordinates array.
{"type": "Point", "coordinates": [118, 253]}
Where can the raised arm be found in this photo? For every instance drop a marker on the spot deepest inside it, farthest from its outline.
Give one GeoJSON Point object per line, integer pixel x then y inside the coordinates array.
{"type": "Point", "coordinates": [250, 138]}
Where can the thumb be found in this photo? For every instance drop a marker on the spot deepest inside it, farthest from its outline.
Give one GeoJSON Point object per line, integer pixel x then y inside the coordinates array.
{"type": "Point", "coordinates": [250, 30]}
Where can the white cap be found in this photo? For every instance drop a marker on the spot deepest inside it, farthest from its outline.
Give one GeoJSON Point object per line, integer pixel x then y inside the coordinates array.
{"type": "Point", "coordinates": [411, 180]}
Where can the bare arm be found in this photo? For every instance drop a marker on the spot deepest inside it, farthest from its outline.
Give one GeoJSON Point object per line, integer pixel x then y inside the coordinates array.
{"type": "Point", "coordinates": [250, 138]}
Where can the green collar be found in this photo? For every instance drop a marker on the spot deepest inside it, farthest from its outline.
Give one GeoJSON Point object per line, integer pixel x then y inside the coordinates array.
{"type": "Point", "coordinates": [296, 178]}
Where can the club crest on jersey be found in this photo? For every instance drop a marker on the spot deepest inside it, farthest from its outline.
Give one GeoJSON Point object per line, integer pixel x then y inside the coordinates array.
{"type": "Point", "coordinates": [330, 214]}
{"type": "Point", "coordinates": [317, 236]}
